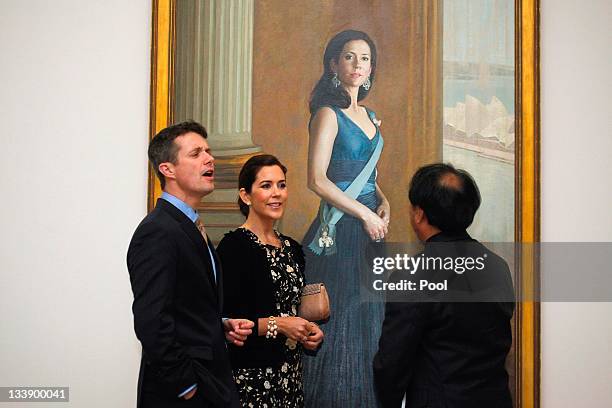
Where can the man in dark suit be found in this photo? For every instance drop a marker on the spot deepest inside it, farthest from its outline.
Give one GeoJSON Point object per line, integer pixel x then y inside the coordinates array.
{"type": "Point", "coordinates": [178, 284]}
{"type": "Point", "coordinates": [447, 348]}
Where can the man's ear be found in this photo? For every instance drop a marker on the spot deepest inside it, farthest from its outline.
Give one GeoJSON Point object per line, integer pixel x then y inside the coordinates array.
{"type": "Point", "coordinates": [419, 215]}
{"type": "Point", "coordinates": [167, 169]}
{"type": "Point", "coordinates": [244, 196]}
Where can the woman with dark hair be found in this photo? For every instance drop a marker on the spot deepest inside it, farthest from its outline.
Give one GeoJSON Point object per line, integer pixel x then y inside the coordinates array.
{"type": "Point", "coordinates": [345, 145]}
{"type": "Point", "coordinates": [263, 274]}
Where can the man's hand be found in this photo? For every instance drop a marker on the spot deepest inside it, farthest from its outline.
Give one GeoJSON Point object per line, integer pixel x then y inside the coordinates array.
{"type": "Point", "coordinates": [190, 394]}
{"type": "Point", "coordinates": [237, 330]}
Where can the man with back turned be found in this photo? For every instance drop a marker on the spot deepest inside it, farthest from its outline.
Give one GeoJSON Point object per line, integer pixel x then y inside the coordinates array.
{"type": "Point", "coordinates": [448, 349]}
{"type": "Point", "coordinates": [178, 284]}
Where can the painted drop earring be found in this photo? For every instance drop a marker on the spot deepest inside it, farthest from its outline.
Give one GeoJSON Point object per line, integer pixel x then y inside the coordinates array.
{"type": "Point", "coordinates": [367, 84]}
{"type": "Point", "coordinates": [335, 81]}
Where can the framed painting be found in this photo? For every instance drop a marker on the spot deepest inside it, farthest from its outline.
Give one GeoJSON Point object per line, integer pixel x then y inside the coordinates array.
{"type": "Point", "coordinates": [456, 81]}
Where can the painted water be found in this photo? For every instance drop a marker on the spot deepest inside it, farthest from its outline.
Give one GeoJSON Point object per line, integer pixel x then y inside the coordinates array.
{"type": "Point", "coordinates": [494, 220]}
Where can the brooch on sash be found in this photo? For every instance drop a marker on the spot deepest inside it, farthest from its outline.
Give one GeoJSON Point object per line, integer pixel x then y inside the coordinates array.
{"type": "Point", "coordinates": [325, 241]}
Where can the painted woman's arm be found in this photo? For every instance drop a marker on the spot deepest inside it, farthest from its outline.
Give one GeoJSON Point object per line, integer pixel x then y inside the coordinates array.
{"type": "Point", "coordinates": [384, 209]}
{"type": "Point", "coordinates": [323, 130]}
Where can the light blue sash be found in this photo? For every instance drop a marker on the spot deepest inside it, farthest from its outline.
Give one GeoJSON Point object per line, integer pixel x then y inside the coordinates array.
{"type": "Point", "coordinates": [324, 241]}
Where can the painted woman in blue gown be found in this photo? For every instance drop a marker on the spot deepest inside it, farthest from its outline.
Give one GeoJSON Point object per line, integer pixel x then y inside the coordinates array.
{"type": "Point", "coordinates": [345, 144]}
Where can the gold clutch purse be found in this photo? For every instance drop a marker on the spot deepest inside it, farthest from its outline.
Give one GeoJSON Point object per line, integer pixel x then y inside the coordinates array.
{"type": "Point", "coordinates": [314, 305]}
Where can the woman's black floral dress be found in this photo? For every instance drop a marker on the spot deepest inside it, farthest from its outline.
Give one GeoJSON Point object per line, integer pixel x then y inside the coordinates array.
{"type": "Point", "coordinates": [281, 386]}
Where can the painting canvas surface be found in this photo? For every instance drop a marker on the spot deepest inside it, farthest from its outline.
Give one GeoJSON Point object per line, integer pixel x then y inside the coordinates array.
{"type": "Point", "coordinates": [444, 91]}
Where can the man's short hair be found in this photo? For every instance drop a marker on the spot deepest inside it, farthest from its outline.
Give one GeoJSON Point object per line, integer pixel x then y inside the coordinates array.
{"type": "Point", "coordinates": [448, 196]}
{"type": "Point", "coordinates": [162, 148]}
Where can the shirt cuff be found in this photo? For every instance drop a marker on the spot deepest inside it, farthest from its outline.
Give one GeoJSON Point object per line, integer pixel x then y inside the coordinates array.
{"type": "Point", "coordinates": [188, 390]}
{"type": "Point", "coordinates": [223, 319]}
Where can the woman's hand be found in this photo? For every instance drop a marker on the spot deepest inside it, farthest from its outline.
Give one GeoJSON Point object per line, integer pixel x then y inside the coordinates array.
{"type": "Point", "coordinates": [294, 327]}
{"type": "Point", "coordinates": [314, 338]}
{"type": "Point", "coordinates": [384, 212]}
{"type": "Point", "coordinates": [374, 226]}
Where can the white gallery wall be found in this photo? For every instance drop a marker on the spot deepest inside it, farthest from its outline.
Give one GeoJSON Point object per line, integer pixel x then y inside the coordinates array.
{"type": "Point", "coordinates": [576, 67]}
{"type": "Point", "coordinates": [74, 108]}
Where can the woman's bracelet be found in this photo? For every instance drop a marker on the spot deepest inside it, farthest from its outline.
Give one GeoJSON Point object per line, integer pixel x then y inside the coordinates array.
{"type": "Point", "coordinates": [272, 331]}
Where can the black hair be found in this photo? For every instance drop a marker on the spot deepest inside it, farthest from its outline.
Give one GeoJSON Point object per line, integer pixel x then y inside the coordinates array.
{"type": "Point", "coordinates": [324, 92]}
{"type": "Point", "coordinates": [249, 172]}
{"type": "Point", "coordinates": [162, 148]}
{"type": "Point", "coordinates": [448, 196]}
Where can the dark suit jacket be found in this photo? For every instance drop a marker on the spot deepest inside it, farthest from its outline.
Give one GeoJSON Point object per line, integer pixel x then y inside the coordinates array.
{"type": "Point", "coordinates": [177, 313]}
{"type": "Point", "coordinates": [449, 354]}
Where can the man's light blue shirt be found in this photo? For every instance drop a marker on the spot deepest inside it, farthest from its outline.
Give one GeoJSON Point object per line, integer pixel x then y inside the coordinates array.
{"type": "Point", "coordinates": [193, 216]}
{"type": "Point", "coordinates": [181, 205]}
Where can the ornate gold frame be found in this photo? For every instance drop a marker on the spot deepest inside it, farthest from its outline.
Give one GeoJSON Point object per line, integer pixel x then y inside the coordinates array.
{"type": "Point", "coordinates": [527, 208]}
{"type": "Point", "coordinates": [162, 78]}
{"type": "Point", "coordinates": [527, 186]}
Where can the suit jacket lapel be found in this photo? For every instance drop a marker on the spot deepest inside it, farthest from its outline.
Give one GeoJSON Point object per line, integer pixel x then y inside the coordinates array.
{"type": "Point", "coordinates": [194, 235]}
{"type": "Point", "coordinates": [219, 275]}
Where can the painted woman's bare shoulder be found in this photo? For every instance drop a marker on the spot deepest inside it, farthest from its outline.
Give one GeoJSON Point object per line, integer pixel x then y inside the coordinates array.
{"type": "Point", "coordinates": [325, 115]}
{"type": "Point", "coordinates": [325, 112]}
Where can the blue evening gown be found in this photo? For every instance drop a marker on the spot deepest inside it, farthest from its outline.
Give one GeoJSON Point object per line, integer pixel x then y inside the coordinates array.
{"type": "Point", "coordinates": [339, 374]}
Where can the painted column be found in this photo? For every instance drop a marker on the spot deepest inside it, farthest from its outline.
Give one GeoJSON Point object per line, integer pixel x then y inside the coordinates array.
{"type": "Point", "coordinates": [214, 69]}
